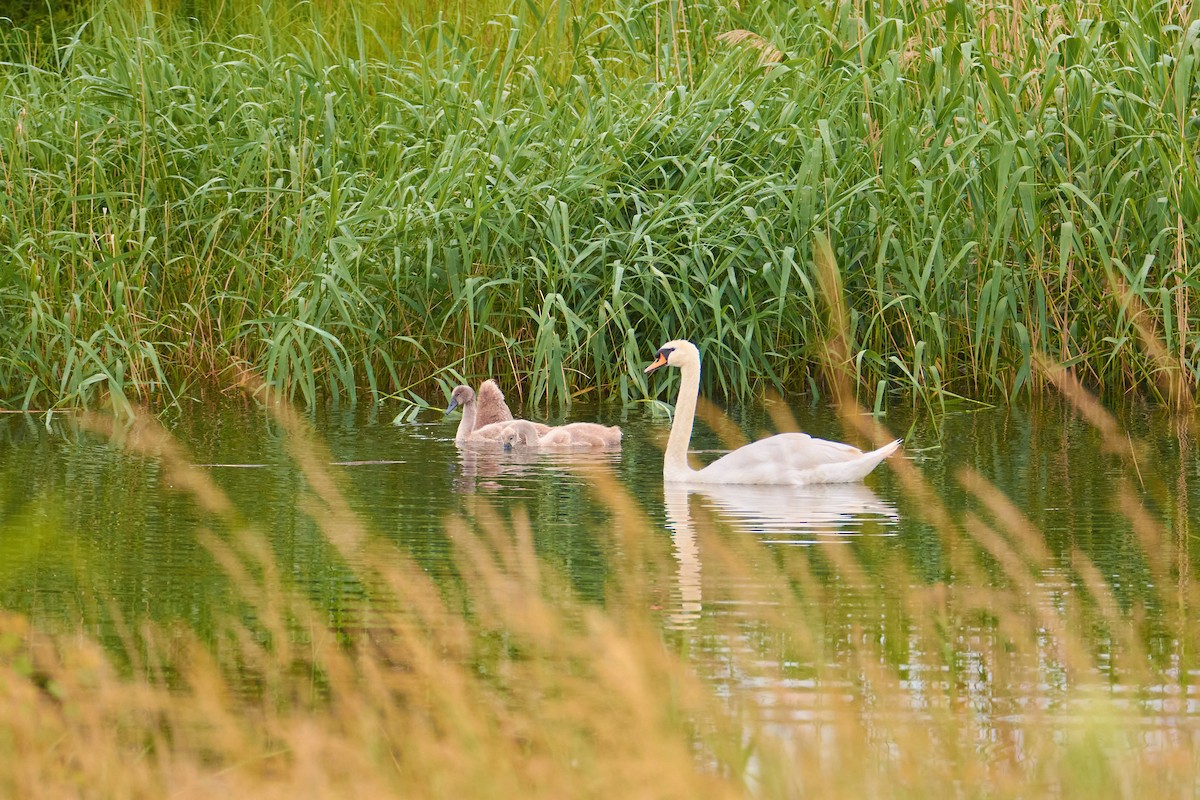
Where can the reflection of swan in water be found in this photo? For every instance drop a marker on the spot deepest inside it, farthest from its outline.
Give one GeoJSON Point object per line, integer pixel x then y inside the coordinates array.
{"type": "Point", "coordinates": [485, 464]}
{"type": "Point", "coordinates": [480, 465]}
{"type": "Point", "coordinates": [687, 576]}
{"type": "Point", "coordinates": [786, 514]}
{"type": "Point", "coordinates": [801, 513]}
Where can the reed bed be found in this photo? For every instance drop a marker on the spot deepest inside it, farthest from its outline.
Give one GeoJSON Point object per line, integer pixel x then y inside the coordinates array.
{"type": "Point", "coordinates": [364, 200]}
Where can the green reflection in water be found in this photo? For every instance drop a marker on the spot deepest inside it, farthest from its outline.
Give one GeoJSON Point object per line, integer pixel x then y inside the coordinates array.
{"type": "Point", "coordinates": [91, 533]}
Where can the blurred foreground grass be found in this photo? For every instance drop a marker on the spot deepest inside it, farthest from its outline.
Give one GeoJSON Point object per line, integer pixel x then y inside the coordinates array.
{"type": "Point", "coordinates": [842, 674]}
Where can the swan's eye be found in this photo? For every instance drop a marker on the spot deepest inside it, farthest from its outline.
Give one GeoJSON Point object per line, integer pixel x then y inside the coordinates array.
{"type": "Point", "coordinates": [666, 352]}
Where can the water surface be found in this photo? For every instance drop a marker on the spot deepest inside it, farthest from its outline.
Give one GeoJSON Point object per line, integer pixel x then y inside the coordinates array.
{"type": "Point", "coordinates": [91, 534]}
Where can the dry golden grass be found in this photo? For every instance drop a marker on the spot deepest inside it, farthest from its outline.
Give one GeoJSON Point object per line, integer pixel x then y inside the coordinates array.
{"type": "Point", "coordinates": [767, 53]}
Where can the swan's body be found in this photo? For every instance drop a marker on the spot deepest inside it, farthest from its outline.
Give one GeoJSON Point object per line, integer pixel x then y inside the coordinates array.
{"type": "Point", "coordinates": [478, 411]}
{"type": "Point", "coordinates": [786, 458]}
{"type": "Point", "coordinates": [574, 434]}
{"type": "Point", "coordinates": [484, 417]}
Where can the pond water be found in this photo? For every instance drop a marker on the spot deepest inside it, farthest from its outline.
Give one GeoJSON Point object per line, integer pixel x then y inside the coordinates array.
{"type": "Point", "coordinates": [90, 533]}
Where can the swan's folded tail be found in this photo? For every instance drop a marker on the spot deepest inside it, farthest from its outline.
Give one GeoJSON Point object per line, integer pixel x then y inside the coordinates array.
{"type": "Point", "coordinates": [855, 469]}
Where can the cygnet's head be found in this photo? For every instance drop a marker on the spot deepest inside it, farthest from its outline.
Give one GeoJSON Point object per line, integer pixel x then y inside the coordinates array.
{"type": "Point", "coordinates": [519, 433]}
{"type": "Point", "coordinates": [460, 397]}
{"type": "Point", "coordinates": [674, 353]}
{"type": "Point", "coordinates": [510, 437]}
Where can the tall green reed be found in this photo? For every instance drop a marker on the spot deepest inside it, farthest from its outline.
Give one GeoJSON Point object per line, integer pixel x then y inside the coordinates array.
{"type": "Point", "coordinates": [359, 199]}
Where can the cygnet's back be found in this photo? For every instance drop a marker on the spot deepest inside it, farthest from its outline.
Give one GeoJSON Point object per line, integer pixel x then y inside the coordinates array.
{"type": "Point", "coordinates": [490, 405]}
{"type": "Point", "coordinates": [576, 434]}
{"type": "Point", "coordinates": [592, 434]}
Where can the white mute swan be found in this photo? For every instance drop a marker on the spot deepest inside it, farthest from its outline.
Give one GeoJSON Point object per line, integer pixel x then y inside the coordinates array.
{"type": "Point", "coordinates": [478, 411]}
{"type": "Point", "coordinates": [786, 458]}
{"type": "Point", "coordinates": [574, 434]}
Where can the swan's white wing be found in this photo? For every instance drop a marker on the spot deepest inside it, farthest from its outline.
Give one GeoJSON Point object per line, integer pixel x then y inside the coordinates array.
{"type": "Point", "coordinates": [786, 452]}
{"type": "Point", "coordinates": [792, 458]}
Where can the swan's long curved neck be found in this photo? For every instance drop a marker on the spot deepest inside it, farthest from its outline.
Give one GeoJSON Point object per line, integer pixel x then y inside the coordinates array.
{"type": "Point", "coordinates": [675, 463]}
{"type": "Point", "coordinates": [467, 423]}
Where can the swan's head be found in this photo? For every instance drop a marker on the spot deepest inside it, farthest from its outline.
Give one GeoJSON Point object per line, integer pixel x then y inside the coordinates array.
{"type": "Point", "coordinates": [676, 353]}
{"type": "Point", "coordinates": [460, 397]}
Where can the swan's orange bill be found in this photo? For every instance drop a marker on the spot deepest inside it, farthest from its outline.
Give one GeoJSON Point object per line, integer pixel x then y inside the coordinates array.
{"type": "Point", "coordinates": [659, 361]}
